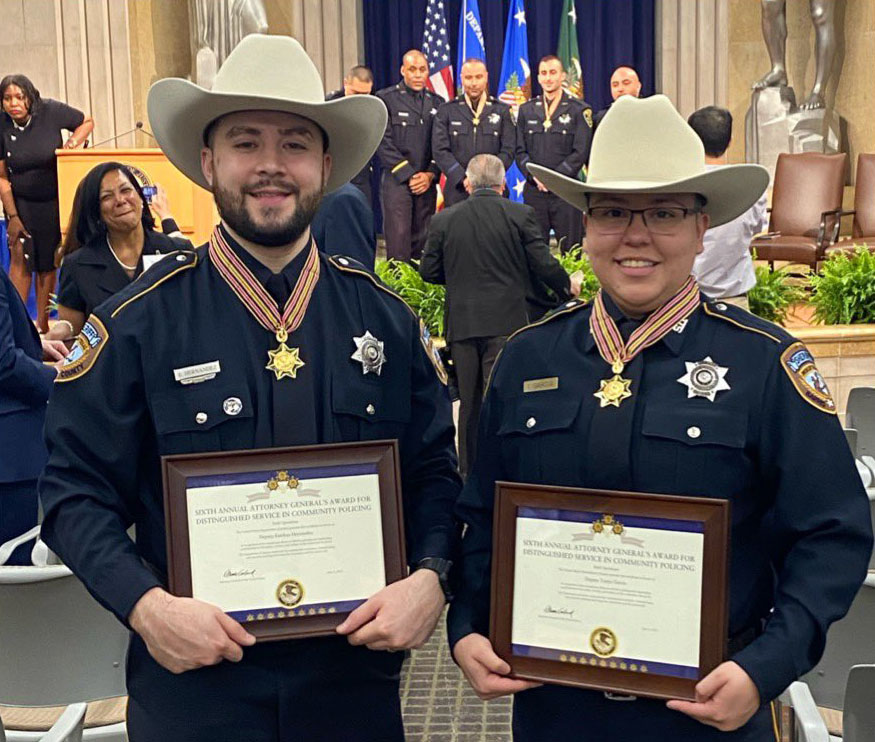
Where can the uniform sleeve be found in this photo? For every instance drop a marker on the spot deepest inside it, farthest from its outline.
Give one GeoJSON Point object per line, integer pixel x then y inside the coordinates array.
{"type": "Point", "coordinates": [431, 265]}
{"type": "Point", "coordinates": [542, 264]}
{"type": "Point", "coordinates": [21, 377]}
{"type": "Point", "coordinates": [90, 485]}
{"type": "Point", "coordinates": [391, 158]}
{"type": "Point", "coordinates": [507, 139]}
{"type": "Point", "coordinates": [579, 156]}
{"type": "Point", "coordinates": [819, 531]}
{"type": "Point", "coordinates": [429, 473]}
{"type": "Point", "coordinates": [441, 150]}
{"type": "Point", "coordinates": [522, 154]}
{"type": "Point", "coordinates": [69, 294]}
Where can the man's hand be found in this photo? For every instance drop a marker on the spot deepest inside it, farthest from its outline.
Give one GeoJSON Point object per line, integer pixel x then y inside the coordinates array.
{"type": "Point", "coordinates": [400, 616]}
{"type": "Point", "coordinates": [53, 350]}
{"type": "Point", "coordinates": [420, 182]}
{"type": "Point", "coordinates": [183, 633]}
{"type": "Point", "coordinates": [485, 670]}
{"type": "Point", "coordinates": [541, 186]}
{"type": "Point", "coordinates": [726, 698]}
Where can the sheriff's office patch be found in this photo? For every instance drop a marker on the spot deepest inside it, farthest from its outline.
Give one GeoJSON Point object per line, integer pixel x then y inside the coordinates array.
{"type": "Point", "coordinates": [432, 352]}
{"type": "Point", "coordinates": [799, 365]}
{"type": "Point", "coordinates": [587, 116]}
{"type": "Point", "coordinates": [85, 350]}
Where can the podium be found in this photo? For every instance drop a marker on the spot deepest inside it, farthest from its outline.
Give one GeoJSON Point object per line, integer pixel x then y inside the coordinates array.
{"type": "Point", "coordinates": [190, 205]}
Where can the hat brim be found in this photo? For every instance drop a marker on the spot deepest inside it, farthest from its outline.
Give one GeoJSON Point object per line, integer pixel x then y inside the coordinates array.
{"type": "Point", "coordinates": [180, 111]}
{"type": "Point", "coordinates": [729, 191]}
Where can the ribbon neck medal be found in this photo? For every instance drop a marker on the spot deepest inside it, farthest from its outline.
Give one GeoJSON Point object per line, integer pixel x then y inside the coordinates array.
{"type": "Point", "coordinates": [617, 354]}
{"type": "Point", "coordinates": [478, 110]}
{"type": "Point", "coordinates": [550, 109]}
{"type": "Point", "coordinates": [283, 361]}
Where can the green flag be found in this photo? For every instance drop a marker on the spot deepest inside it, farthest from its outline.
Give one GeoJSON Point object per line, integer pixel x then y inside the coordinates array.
{"type": "Point", "coordinates": [568, 51]}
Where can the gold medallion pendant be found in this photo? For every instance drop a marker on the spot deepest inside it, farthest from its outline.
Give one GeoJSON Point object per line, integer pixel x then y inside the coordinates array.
{"type": "Point", "coordinates": [283, 360]}
{"type": "Point", "coordinates": [613, 391]}
{"type": "Point", "coordinates": [547, 124]}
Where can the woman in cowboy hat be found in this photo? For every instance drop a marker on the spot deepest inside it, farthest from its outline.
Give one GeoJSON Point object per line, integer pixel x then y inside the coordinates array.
{"type": "Point", "coordinates": [655, 389]}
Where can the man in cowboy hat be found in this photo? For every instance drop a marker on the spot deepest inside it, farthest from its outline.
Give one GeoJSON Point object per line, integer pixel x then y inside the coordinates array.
{"type": "Point", "coordinates": [652, 388]}
{"type": "Point", "coordinates": [196, 357]}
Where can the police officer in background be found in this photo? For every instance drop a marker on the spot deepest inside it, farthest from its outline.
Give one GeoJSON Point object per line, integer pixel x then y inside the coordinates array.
{"type": "Point", "coordinates": [553, 130]}
{"type": "Point", "coordinates": [282, 345]}
{"type": "Point", "coordinates": [358, 81]}
{"type": "Point", "coordinates": [471, 125]}
{"type": "Point", "coordinates": [407, 187]}
{"type": "Point", "coordinates": [652, 387]}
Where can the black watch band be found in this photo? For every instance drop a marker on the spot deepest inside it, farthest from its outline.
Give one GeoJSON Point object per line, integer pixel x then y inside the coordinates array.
{"type": "Point", "coordinates": [442, 568]}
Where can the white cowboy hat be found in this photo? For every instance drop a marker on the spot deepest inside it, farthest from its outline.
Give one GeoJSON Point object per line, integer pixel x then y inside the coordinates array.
{"type": "Point", "coordinates": [264, 73]}
{"type": "Point", "coordinates": [643, 145]}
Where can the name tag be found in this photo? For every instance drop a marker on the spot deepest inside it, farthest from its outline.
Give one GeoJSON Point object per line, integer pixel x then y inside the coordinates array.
{"type": "Point", "coordinates": [197, 374]}
{"type": "Point", "coordinates": [403, 113]}
{"type": "Point", "coordinates": [455, 123]}
{"type": "Point", "coordinates": [541, 385]}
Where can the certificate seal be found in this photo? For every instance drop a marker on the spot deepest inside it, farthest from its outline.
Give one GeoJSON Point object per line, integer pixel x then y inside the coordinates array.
{"type": "Point", "coordinates": [603, 641]}
{"type": "Point", "coordinates": [290, 593]}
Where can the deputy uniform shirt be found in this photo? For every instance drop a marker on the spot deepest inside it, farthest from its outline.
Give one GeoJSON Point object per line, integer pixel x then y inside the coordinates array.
{"type": "Point", "coordinates": [564, 146]}
{"type": "Point", "coordinates": [406, 145]}
{"type": "Point", "coordinates": [118, 407]}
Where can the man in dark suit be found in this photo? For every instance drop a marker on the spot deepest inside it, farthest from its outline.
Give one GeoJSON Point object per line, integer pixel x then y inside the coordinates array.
{"type": "Point", "coordinates": [491, 254]}
{"type": "Point", "coordinates": [25, 385]}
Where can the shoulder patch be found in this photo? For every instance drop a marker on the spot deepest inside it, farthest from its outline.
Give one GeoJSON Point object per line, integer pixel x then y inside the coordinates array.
{"type": "Point", "coordinates": [170, 265]}
{"type": "Point", "coordinates": [744, 320]}
{"type": "Point", "coordinates": [798, 362]}
{"type": "Point", "coordinates": [567, 308]}
{"type": "Point", "coordinates": [432, 352]}
{"type": "Point", "coordinates": [587, 116]}
{"type": "Point", "coordinates": [85, 350]}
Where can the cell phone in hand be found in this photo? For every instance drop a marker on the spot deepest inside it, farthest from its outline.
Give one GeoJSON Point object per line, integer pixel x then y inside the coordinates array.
{"type": "Point", "coordinates": [149, 192]}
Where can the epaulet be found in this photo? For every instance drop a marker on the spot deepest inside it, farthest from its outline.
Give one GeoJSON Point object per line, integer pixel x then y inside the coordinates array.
{"type": "Point", "coordinates": [569, 307]}
{"type": "Point", "coordinates": [745, 320]}
{"type": "Point", "coordinates": [172, 264]}
{"type": "Point", "coordinates": [345, 264]}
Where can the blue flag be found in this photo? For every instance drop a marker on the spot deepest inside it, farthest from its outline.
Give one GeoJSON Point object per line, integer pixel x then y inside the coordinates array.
{"type": "Point", "coordinates": [470, 38]}
{"type": "Point", "coordinates": [515, 81]}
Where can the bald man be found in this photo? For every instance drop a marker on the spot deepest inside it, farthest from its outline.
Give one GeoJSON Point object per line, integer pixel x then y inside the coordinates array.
{"type": "Point", "coordinates": [624, 81]}
{"type": "Point", "coordinates": [407, 188]}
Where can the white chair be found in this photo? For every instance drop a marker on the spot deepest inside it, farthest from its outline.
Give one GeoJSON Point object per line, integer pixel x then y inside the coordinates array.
{"type": "Point", "coordinates": [858, 716]}
{"type": "Point", "coordinates": [68, 727]}
{"type": "Point", "coordinates": [58, 646]}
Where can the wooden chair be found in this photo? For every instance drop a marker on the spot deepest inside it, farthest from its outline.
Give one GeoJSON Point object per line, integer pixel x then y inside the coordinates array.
{"type": "Point", "coordinates": [808, 189]}
{"type": "Point", "coordinates": [68, 728]}
{"type": "Point", "coordinates": [863, 230]}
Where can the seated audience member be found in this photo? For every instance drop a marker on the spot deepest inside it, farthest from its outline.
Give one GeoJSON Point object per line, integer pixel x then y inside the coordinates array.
{"type": "Point", "coordinates": [724, 269]}
{"type": "Point", "coordinates": [345, 221]}
{"type": "Point", "coordinates": [111, 239]}
{"type": "Point", "coordinates": [25, 384]}
{"type": "Point", "coordinates": [624, 81]}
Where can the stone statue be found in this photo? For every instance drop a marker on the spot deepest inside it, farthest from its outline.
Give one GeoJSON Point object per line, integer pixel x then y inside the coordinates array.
{"type": "Point", "coordinates": [218, 27]}
{"type": "Point", "coordinates": [774, 15]}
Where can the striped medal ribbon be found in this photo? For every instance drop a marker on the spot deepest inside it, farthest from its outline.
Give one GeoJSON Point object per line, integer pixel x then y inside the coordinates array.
{"type": "Point", "coordinates": [283, 360]}
{"type": "Point", "coordinates": [617, 354]}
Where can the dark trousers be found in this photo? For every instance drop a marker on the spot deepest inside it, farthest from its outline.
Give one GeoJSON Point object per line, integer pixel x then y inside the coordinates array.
{"type": "Point", "coordinates": [555, 713]}
{"type": "Point", "coordinates": [473, 359]}
{"type": "Point", "coordinates": [405, 218]}
{"type": "Point", "coordinates": [554, 213]}
{"type": "Point", "coordinates": [318, 690]}
{"type": "Point", "coordinates": [18, 514]}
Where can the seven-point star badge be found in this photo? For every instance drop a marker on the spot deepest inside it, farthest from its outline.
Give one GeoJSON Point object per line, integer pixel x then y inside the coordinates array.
{"type": "Point", "coordinates": [369, 352]}
{"type": "Point", "coordinates": [704, 379]}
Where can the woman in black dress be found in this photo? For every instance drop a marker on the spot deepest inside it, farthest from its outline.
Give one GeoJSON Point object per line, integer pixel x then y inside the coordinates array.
{"type": "Point", "coordinates": [30, 132]}
{"type": "Point", "coordinates": [110, 241]}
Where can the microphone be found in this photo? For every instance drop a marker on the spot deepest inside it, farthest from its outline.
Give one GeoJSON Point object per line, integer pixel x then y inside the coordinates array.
{"type": "Point", "coordinates": [137, 127]}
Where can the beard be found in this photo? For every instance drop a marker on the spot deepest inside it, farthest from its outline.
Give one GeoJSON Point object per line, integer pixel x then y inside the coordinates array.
{"type": "Point", "coordinates": [272, 231]}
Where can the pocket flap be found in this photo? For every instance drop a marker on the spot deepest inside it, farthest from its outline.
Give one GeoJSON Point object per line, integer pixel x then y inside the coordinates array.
{"type": "Point", "coordinates": [199, 407]}
{"type": "Point", "coordinates": [538, 413]}
{"type": "Point", "coordinates": [371, 399]}
{"type": "Point", "coordinates": [697, 425]}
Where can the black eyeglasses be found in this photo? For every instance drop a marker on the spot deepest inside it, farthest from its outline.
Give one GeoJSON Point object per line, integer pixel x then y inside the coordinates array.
{"type": "Point", "coordinates": [658, 219]}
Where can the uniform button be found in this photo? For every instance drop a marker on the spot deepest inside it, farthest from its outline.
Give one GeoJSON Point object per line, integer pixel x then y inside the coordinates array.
{"type": "Point", "coordinates": [232, 406]}
{"type": "Point", "coordinates": [530, 423]}
{"type": "Point", "coordinates": [370, 409]}
{"type": "Point", "coordinates": [180, 258]}
{"type": "Point", "coordinates": [200, 418]}
{"type": "Point", "coordinates": [693, 431]}
{"type": "Point", "coordinates": [570, 303]}
{"type": "Point", "coordinates": [343, 261]}
{"type": "Point", "coordinates": [721, 307]}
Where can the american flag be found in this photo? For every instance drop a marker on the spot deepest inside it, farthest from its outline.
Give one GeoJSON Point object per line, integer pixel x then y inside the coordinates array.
{"type": "Point", "coordinates": [436, 47]}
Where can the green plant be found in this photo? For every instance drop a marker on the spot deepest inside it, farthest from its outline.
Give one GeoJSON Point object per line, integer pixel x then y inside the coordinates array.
{"type": "Point", "coordinates": [773, 294]}
{"type": "Point", "coordinates": [844, 291]}
{"type": "Point", "coordinates": [426, 299]}
{"type": "Point", "coordinates": [577, 260]}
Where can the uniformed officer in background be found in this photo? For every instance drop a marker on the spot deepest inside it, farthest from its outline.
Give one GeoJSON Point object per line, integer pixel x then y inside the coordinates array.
{"type": "Point", "coordinates": [654, 388]}
{"type": "Point", "coordinates": [407, 187]}
{"type": "Point", "coordinates": [358, 81]}
{"type": "Point", "coordinates": [553, 130]}
{"type": "Point", "coordinates": [255, 340]}
{"type": "Point", "coordinates": [471, 125]}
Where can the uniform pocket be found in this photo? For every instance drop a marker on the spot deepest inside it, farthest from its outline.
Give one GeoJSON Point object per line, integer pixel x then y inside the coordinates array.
{"type": "Point", "coordinates": [369, 408]}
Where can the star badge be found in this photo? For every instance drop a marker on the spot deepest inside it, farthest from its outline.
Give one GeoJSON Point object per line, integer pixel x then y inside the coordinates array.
{"type": "Point", "coordinates": [284, 361]}
{"type": "Point", "coordinates": [613, 391]}
{"type": "Point", "coordinates": [369, 352]}
{"type": "Point", "coordinates": [704, 379]}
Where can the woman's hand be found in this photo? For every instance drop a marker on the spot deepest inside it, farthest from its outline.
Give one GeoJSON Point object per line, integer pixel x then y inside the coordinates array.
{"type": "Point", "coordinates": [159, 203]}
{"type": "Point", "coordinates": [16, 233]}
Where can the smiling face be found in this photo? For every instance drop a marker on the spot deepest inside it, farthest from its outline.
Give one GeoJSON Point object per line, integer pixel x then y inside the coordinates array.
{"type": "Point", "coordinates": [268, 171]}
{"type": "Point", "coordinates": [16, 104]}
{"type": "Point", "coordinates": [640, 270]}
{"type": "Point", "coordinates": [474, 79]}
{"type": "Point", "coordinates": [551, 76]}
{"type": "Point", "coordinates": [121, 208]}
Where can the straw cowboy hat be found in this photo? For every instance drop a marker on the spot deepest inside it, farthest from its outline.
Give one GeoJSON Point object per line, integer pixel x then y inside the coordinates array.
{"type": "Point", "coordinates": [644, 146]}
{"type": "Point", "coordinates": [264, 73]}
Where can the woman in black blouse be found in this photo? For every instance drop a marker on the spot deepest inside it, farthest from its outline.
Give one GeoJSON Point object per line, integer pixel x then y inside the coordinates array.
{"type": "Point", "coordinates": [30, 132]}
{"type": "Point", "coordinates": [110, 241]}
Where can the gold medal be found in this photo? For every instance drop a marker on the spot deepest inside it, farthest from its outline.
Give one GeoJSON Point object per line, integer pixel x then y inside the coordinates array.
{"type": "Point", "coordinates": [613, 391]}
{"type": "Point", "coordinates": [283, 360]}
{"type": "Point", "coordinates": [547, 124]}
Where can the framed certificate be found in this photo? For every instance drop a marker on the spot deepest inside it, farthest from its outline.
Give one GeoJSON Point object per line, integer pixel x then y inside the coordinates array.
{"type": "Point", "coordinates": [288, 541]}
{"type": "Point", "coordinates": [616, 591]}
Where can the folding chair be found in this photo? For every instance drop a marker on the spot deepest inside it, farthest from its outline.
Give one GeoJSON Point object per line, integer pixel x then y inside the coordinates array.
{"type": "Point", "coordinates": [858, 716]}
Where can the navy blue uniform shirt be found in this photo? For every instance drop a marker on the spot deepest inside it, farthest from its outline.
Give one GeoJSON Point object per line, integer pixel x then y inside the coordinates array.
{"type": "Point", "coordinates": [564, 146]}
{"type": "Point", "coordinates": [406, 146]}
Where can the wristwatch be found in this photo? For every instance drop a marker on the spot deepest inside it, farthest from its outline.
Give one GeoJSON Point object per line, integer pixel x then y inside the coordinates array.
{"type": "Point", "coordinates": [442, 568]}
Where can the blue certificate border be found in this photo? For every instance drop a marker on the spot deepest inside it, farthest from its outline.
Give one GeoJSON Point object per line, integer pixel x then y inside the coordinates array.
{"type": "Point", "coordinates": [632, 521]}
{"type": "Point", "coordinates": [299, 611]}
{"type": "Point", "coordinates": [260, 477]}
{"type": "Point", "coordinates": [615, 663]}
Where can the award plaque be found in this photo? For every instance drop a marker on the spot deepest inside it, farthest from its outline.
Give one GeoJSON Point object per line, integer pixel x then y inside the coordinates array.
{"type": "Point", "coordinates": [287, 541]}
{"type": "Point", "coordinates": [616, 591]}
